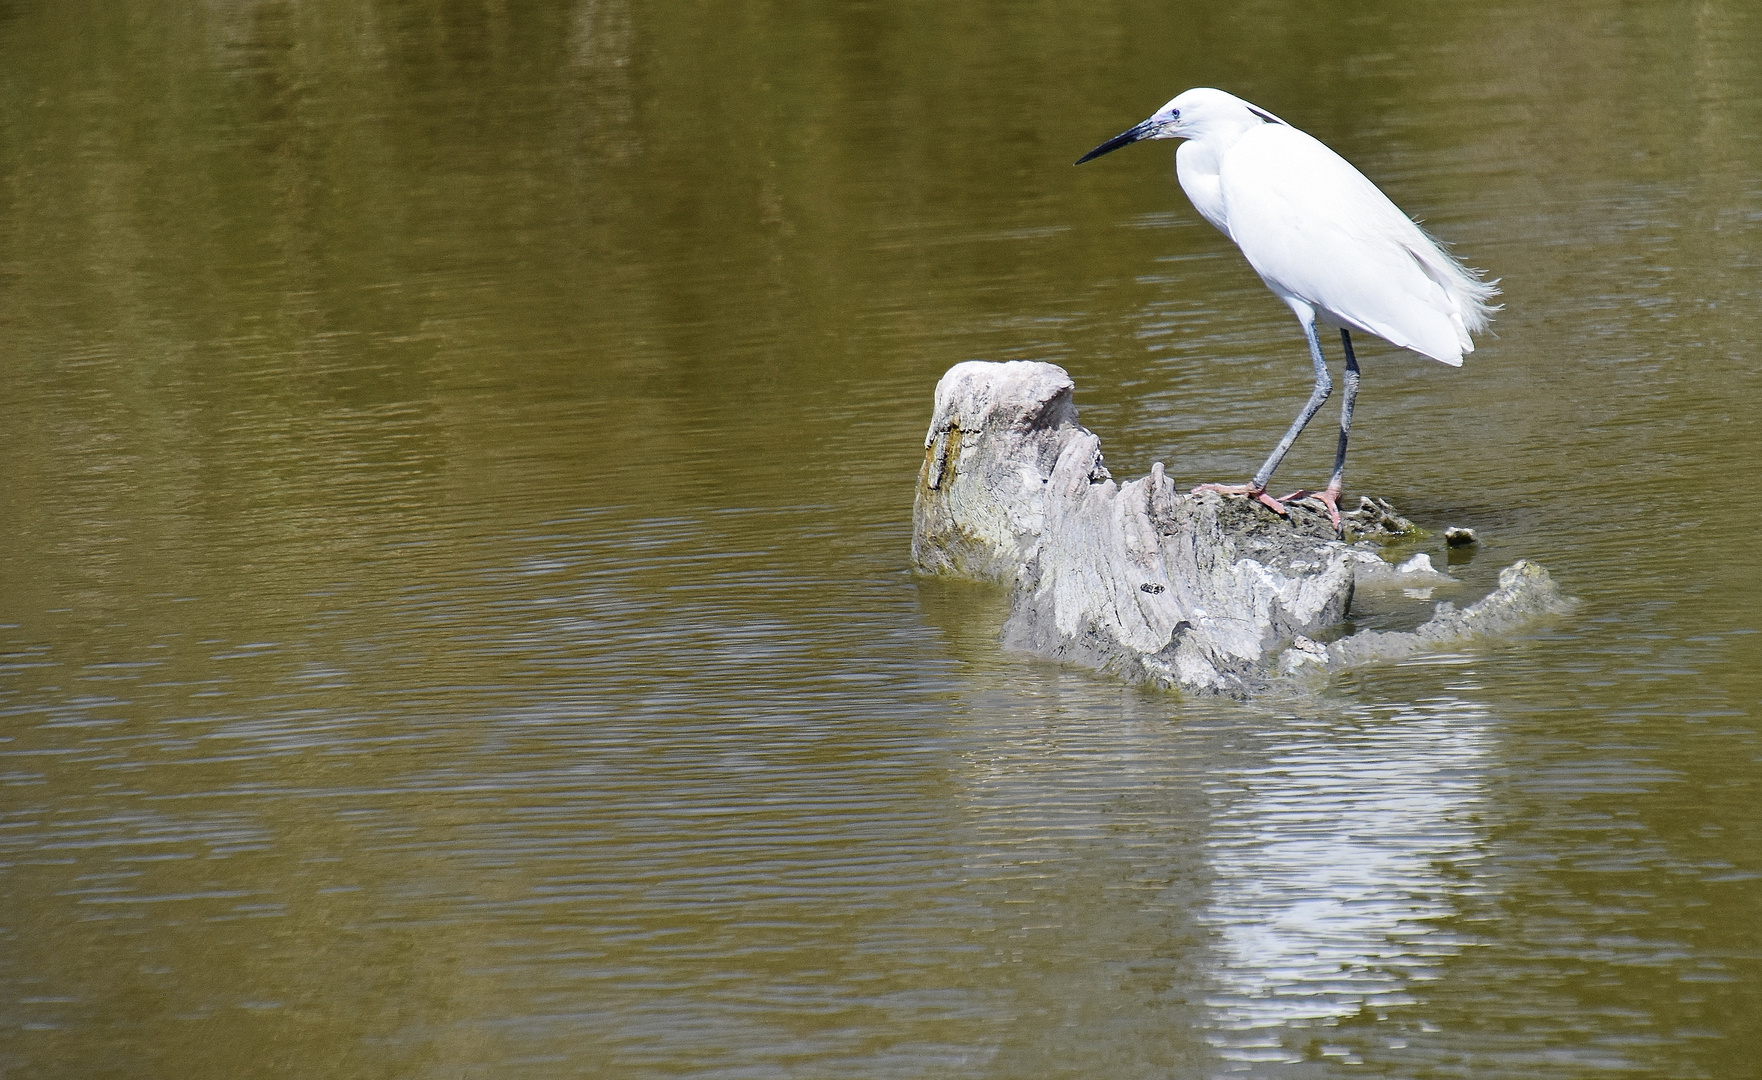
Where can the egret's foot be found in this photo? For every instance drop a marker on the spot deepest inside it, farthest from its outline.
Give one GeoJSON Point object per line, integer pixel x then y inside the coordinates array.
{"type": "Point", "coordinates": [1329, 498]}
{"type": "Point", "coordinates": [1259, 495]}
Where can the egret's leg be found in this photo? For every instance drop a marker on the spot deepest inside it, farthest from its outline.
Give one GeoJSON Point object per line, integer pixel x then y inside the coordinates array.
{"type": "Point", "coordinates": [1345, 413]}
{"type": "Point", "coordinates": [1331, 497]}
{"type": "Point", "coordinates": [1256, 488]}
{"type": "Point", "coordinates": [1317, 397]}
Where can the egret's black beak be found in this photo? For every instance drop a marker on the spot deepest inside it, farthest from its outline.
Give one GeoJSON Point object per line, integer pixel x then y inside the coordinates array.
{"type": "Point", "coordinates": [1124, 138]}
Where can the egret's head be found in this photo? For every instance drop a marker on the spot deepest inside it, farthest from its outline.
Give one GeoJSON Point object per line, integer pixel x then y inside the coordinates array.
{"type": "Point", "coordinates": [1193, 115]}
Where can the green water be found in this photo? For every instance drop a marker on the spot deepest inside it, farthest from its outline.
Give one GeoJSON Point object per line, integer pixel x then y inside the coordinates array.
{"type": "Point", "coordinates": [456, 617]}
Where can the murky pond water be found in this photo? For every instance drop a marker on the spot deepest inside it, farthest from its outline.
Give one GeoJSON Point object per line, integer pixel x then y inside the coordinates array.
{"type": "Point", "coordinates": [456, 608]}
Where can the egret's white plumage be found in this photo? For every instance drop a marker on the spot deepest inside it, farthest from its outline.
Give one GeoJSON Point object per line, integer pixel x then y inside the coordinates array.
{"type": "Point", "coordinates": [1324, 239]}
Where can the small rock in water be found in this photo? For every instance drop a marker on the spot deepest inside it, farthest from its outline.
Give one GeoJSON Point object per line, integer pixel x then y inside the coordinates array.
{"type": "Point", "coordinates": [1458, 537]}
{"type": "Point", "coordinates": [1419, 564]}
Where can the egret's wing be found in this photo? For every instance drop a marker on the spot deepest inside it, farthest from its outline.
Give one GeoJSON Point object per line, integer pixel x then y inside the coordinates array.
{"type": "Point", "coordinates": [1315, 229]}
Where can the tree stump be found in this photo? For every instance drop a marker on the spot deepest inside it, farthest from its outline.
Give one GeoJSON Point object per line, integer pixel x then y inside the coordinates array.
{"type": "Point", "coordinates": [1208, 593]}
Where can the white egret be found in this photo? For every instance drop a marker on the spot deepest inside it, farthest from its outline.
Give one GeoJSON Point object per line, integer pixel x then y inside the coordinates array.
{"type": "Point", "coordinates": [1325, 240]}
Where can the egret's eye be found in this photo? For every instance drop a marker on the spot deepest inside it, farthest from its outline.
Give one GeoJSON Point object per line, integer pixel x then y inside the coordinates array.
{"type": "Point", "coordinates": [1174, 116]}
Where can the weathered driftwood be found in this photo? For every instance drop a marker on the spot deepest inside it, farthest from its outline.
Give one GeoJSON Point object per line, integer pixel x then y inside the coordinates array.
{"type": "Point", "coordinates": [1141, 580]}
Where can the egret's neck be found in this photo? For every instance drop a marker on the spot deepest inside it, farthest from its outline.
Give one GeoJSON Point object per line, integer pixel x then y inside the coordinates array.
{"type": "Point", "coordinates": [1196, 166]}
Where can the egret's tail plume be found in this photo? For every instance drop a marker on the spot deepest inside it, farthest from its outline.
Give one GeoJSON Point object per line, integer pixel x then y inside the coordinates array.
{"type": "Point", "coordinates": [1464, 287]}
